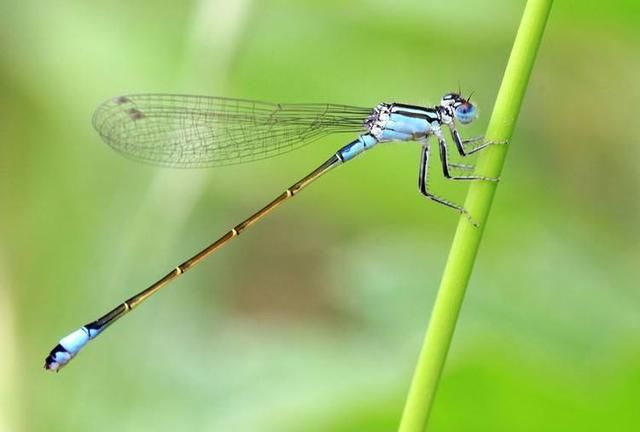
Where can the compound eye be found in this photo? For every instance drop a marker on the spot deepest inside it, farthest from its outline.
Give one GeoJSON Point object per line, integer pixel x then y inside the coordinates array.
{"type": "Point", "coordinates": [465, 113]}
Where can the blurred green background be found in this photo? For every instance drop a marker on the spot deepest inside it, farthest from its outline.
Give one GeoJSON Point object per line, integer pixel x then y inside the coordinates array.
{"type": "Point", "coordinates": [313, 320]}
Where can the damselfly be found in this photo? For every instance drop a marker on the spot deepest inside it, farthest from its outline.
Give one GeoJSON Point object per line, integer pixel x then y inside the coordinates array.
{"type": "Point", "coordinates": [198, 131]}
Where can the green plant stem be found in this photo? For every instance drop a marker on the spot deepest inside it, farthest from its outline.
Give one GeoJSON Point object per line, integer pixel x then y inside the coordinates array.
{"type": "Point", "coordinates": [467, 237]}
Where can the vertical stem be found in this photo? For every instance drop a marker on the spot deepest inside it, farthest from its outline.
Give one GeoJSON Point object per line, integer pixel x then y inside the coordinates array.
{"type": "Point", "coordinates": [467, 238]}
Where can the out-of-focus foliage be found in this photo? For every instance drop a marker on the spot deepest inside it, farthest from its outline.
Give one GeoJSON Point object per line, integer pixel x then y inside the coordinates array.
{"type": "Point", "coordinates": [313, 320]}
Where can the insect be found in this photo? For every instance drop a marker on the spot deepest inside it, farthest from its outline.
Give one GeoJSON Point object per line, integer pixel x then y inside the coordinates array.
{"type": "Point", "coordinates": [199, 131]}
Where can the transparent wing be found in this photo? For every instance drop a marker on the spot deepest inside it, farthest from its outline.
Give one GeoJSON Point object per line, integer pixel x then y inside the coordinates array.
{"type": "Point", "coordinates": [197, 131]}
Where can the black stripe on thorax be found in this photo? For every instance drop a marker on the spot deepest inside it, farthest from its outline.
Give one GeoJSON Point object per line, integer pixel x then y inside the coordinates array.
{"type": "Point", "coordinates": [428, 114]}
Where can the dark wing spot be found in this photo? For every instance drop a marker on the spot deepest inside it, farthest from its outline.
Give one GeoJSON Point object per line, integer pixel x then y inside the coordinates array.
{"type": "Point", "coordinates": [122, 100]}
{"type": "Point", "coordinates": [135, 114]}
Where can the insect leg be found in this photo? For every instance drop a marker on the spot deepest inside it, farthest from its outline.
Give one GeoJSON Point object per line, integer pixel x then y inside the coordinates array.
{"type": "Point", "coordinates": [423, 180]}
{"type": "Point", "coordinates": [444, 159]}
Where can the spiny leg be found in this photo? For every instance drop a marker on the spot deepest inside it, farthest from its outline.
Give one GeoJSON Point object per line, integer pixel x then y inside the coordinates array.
{"type": "Point", "coordinates": [460, 143]}
{"type": "Point", "coordinates": [460, 166]}
{"type": "Point", "coordinates": [446, 165]}
{"type": "Point", "coordinates": [423, 180]}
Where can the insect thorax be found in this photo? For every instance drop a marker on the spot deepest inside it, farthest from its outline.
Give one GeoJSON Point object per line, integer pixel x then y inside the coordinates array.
{"type": "Point", "coordinates": [377, 120]}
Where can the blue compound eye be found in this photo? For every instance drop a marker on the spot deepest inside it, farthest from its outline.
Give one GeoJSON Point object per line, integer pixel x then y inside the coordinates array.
{"type": "Point", "coordinates": [465, 113]}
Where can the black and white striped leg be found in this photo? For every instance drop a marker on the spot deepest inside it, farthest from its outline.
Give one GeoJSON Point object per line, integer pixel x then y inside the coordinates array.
{"type": "Point", "coordinates": [446, 166]}
{"type": "Point", "coordinates": [460, 143]}
{"type": "Point", "coordinates": [423, 180]}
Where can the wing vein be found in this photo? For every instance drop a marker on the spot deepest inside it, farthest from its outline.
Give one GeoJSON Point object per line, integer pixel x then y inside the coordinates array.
{"type": "Point", "coordinates": [198, 131]}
